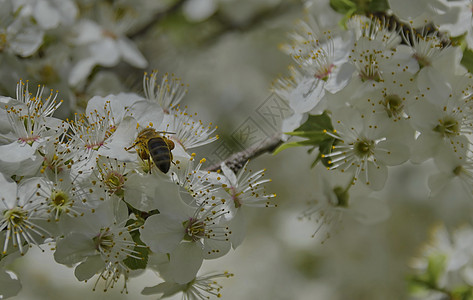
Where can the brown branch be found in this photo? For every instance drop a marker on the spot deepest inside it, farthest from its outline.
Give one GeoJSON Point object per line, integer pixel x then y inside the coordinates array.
{"type": "Point", "coordinates": [237, 160]}
{"type": "Point", "coordinates": [156, 19]}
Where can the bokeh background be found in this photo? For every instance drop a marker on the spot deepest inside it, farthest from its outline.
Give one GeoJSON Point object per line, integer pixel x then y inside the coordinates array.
{"type": "Point", "coordinates": [230, 57]}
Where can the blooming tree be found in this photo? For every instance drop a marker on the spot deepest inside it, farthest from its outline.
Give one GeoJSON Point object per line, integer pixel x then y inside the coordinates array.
{"type": "Point", "coordinates": [113, 184]}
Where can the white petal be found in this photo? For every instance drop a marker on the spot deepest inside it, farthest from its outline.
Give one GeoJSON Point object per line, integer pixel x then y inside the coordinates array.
{"type": "Point", "coordinates": [433, 85]}
{"type": "Point", "coordinates": [163, 232]}
{"type": "Point", "coordinates": [306, 95]}
{"type": "Point", "coordinates": [81, 70]}
{"type": "Point", "coordinates": [105, 52]}
{"type": "Point", "coordinates": [437, 182]}
{"type": "Point", "coordinates": [425, 147]}
{"type": "Point", "coordinates": [293, 122]}
{"type": "Point", "coordinates": [74, 248]}
{"type": "Point", "coordinates": [131, 54]}
{"type": "Point", "coordinates": [17, 152]}
{"type": "Point", "coordinates": [26, 42]}
{"type": "Point", "coordinates": [146, 112]}
{"type": "Point", "coordinates": [89, 268]}
{"type": "Point", "coordinates": [120, 140]}
{"type": "Point", "coordinates": [46, 16]}
{"type": "Point", "coordinates": [341, 78]}
{"type": "Point", "coordinates": [238, 225]}
{"type": "Point", "coordinates": [377, 175]}
{"type": "Point", "coordinates": [166, 289]}
{"type": "Point", "coordinates": [8, 191]}
{"type": "Point", "coordinates": [87, 32]}
{"type": "Point", "coordinates": [215, 249]}
{"type": "Point", "coordinates": [229, 174]}
{"type": "Point", "coordinates": [392, 153]}
{"type": "Point", "coordinates": [186, 261]}
{"type": "Point", "coordinates": [198, 10]}
{"type": "Point", "coordinates": [9, 285]}
{"type": "Point", "coordinates": [168, 199]}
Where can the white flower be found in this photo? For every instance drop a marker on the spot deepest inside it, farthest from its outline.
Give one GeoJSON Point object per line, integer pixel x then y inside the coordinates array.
{"type": "Point", "coordinates": [63, 197]}
{"type": "Point", "coordinates": [48, 14]}
{"type": "Point", "coordinates": [332, 203]}
{"type": "Point", "coordinates": [199, 10]}
{"type": "Point", "coordinates": [421, 12]}
{"type": "Point", "coordinates": [18, 34]}
{"type": "Point", "coordinates": [322, 66]}
{"type": "Point", "coordinates": [447, 259]}
{"type": "Point", "coordinates": [189, 133]}
{"type": "Point", "coordinates": [30, 125]}
{"type": "Point", "coordinates": [361, 147]}
{"type": "Point", "coordinates": [168, 94]}
{"type": "Point", "coordinates": [442, 119]}
{"type": "Point", "coordinates": [200, 288]}
{"type": "Point", "coordinates": [104, 46]}
{"type": "Point", "coordinates": [240, 192]}
{"type": "Point", "coordinates": [99, 241]}
{"type": "Point", "coordinates": [375, 29]}
{"type": "Point", "coordinates": [455, 177]}
{"type": "Point", "coordinates": [10, 285]}
{"type": "Point", "coordinates": [189, 234]}
{"type": "Point", "coordinates": [21, 214]}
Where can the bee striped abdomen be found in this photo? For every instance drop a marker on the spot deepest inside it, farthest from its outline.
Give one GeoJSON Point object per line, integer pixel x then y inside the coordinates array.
{"type": "Point", "coordinates": [160, 153]}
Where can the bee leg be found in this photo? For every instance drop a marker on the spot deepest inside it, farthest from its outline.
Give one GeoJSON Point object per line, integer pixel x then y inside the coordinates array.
{"type": "Point", "coordinates": [149, 165]}
{"type": "Point", "coordinates": [132, 146]}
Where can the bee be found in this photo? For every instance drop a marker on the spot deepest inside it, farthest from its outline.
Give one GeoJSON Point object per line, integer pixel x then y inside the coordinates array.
{"type": "Point", "coordinates": [151, 145]}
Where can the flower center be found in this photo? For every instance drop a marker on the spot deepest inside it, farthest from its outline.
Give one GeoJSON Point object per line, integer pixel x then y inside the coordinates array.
{"type": "Point", "coordinates": [448, 127]}
{"type": "Point", "coordinates": [16, 216]}
{"type": "Point", "coordinates": [59, 198]}
{"type": "Point", "coordinates": [342, 196]}
{"type": "Point", "coordinates": [393, 105]}
{"type": "Point", "coordinates": [324, 73]}
{"type": "Point", "coordinates": [115, 182]}
{"type": "Point", "coordinates": [104, 240]}
{"type": "Point", "coordinates": [422, 60]}
{"type": "Point", "coordinates": [233, 193]}
{"type": "Point", "coordinates": [364, 148]}
{"type": "Point", "coordinates": [195, 229]}
{"type": "Point", "coordinates": [458, 170]}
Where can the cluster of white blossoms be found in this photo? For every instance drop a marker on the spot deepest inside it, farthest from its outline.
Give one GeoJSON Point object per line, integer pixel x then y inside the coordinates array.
{"type": "Point", "coordinates": [377, 92]}
{"type": "Point", "coordinates": [118, 190]}
{"type": "Point", "coordinates": [444, 270]}
{"type": "Point", "coordinates": [61, 41]}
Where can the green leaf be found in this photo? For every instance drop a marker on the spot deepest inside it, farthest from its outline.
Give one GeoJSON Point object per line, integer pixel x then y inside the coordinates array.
{"type": "Point", "coordinates": [293, 144]}
{"type": "Point", "coordinates": [317, 123]}
{"type": "Point", "coordinates": [463, 292]}
{"type": "Point", "coordinates": [137, 263]}
{"type": "Point", "coordinates": [314, 130]}
{"type": "Point", "coordinates": [313, 135]}
{"type": "Point", "coordinates": [467, 60]}
{"type": "Point", "coordinates": [435, 267]}
{"type": "Point", "coordinates": [141, 252]}
{"type": "Point", "coordinates": [343, 6]}
{"type": "Point", "coordinates": [378, 6]}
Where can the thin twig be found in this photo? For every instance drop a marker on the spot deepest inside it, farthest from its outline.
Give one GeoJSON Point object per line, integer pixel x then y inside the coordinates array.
{"type": "Point", "coordinates": [237, 160]}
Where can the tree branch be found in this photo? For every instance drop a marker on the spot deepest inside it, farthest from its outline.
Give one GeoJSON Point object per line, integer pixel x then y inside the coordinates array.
{"type": "Point", "coordinates": [237, 160]}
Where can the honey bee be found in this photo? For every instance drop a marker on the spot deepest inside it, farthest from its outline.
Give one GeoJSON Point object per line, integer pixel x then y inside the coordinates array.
{"type": "Point", "coordinates": [151, 145]}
